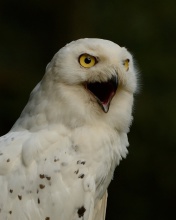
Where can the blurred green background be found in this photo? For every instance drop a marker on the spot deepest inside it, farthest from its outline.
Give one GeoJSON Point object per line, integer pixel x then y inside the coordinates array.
{"type": "Point", "coordinates": [31, 32]}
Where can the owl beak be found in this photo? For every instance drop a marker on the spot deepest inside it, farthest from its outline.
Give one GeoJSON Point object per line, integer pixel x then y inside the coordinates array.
{"type": "Point", "coordinates": [104, 92]}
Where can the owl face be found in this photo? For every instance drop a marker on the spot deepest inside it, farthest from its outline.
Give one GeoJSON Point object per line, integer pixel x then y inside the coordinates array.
{"type": "Point", "coordinates": [99, 66]}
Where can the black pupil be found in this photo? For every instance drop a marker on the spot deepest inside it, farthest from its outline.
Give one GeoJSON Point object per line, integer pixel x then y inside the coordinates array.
{"type": "Point", "coordinates": [87, 60]}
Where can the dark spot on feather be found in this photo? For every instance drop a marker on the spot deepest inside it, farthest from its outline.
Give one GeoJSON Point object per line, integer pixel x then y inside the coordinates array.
{"type": "Point", "coordinates": [42, 186]}
{"type": "Point", "coordinates": [8, 160]}
{"type": "Point", "coordinates": [38, 201]}
{"type": "Point", "coordinates": [56, 160]}
{"type": "Point", "coordinates": [81, 212]}
{"type": "Point", "coordinates": [81, 162]}
{"type": "Point", "coordinates": [48, 177]}
{"type": "Point", "coordinates": [37, 191]}
{"type": "Point", "coordinates": [42, 176]}
{"type": "Point", "coordinates": [20, 197]}
{"type": "Point", "coordinates": [10, 212]}
{"type": "Point", "coordinates": [1, 154]}
{"type": "Point", "coordinates": [22, 187]}
{"type": "Point", "coordinates": [75, 147]}
{"type": "Point", "coordinates": [64, 164]}
{"type": "Point", "coordinates": [76, 171]}
{"type": "Point", "coordinates": [47, 218]}
{"type": "Point", "coordinates": [81, 176]}
{"type": "Point", "coordinates": [11, 190]}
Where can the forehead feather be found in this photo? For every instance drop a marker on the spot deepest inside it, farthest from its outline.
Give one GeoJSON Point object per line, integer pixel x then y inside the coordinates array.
{"type": "Point", "coordinates": [93, 44]}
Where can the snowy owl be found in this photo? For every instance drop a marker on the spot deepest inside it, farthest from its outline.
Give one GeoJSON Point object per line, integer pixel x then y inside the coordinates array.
{"type": "Point", "coordinates": [59, 157]}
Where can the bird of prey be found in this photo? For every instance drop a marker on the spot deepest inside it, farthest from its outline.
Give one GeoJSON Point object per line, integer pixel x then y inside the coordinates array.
{"type": "Point", "coordinates": [59, 157]}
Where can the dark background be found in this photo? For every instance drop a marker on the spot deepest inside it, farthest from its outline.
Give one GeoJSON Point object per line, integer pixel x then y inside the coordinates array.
{"type": "Point", "coordinates": [31, 32]}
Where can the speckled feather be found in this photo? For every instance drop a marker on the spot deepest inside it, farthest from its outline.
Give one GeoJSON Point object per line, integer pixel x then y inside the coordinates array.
{"type": "Point", "coordinates": [58, 159]}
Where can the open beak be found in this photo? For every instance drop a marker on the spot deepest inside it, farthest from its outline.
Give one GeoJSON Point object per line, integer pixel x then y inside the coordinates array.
{"type": "Point", "coordinates": [103, 91]}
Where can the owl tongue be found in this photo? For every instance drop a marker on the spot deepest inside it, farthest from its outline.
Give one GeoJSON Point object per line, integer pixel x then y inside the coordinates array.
{"type": "Point", "coordinates": [104, 92]}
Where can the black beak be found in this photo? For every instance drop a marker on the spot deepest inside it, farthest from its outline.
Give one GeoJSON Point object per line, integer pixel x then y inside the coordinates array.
{"type": "Point", "coordinates": [104, 91]}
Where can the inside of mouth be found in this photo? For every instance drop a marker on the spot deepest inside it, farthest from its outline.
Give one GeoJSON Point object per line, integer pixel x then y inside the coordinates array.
{"type": "Point", "coordinates": [103, 91]}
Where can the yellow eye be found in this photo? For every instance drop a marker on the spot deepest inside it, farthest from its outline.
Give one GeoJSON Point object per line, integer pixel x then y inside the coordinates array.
{"type": "Point", "coordinates": [87, 60]}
